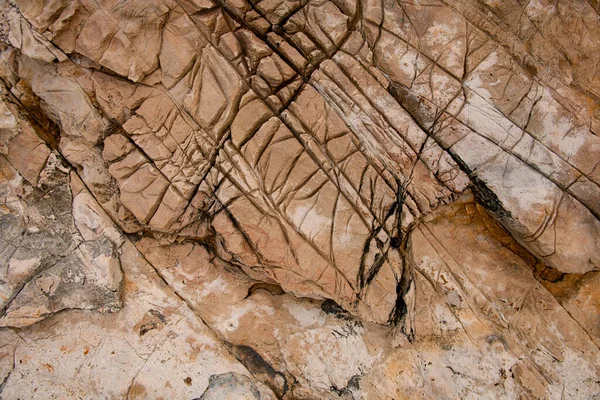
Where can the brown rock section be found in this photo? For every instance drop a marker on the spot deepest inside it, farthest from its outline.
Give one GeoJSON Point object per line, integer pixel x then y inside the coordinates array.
{"type": "Point", "coordinates": [299, 199]}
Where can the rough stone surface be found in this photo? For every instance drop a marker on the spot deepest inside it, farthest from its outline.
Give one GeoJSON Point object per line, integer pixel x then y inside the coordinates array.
{"type": "Point", "coordinates": [299, 199]}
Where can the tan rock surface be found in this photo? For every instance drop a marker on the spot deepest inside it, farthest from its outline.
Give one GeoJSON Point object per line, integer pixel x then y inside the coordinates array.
{"type": "Point", "coordinates": [299, 199]}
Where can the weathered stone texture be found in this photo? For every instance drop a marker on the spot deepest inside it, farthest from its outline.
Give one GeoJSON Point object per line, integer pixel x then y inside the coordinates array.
{"type": "Point", "coordinates": [299, 199]}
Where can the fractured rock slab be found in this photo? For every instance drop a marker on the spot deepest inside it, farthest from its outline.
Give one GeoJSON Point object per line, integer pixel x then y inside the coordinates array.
{"type": "Point", "coordinates": [346, 199]}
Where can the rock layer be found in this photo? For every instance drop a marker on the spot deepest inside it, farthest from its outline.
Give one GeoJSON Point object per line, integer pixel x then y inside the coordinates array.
{"type": "Point", "coordinates": [299, 199]}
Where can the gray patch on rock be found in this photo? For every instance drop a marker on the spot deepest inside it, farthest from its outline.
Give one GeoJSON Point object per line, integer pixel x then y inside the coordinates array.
{"type": "Point", "coordinates": [230, 386]}
{"type": "Point", "coordinates": [45, 264]}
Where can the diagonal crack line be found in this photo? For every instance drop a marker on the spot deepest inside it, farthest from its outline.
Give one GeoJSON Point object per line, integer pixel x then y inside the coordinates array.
{"type": "Point", "coordinates": [233, 15]}
{"type": "Point", "coordinates": [306, 75]}
{"type": "Point", "coordinates": [226, 344]}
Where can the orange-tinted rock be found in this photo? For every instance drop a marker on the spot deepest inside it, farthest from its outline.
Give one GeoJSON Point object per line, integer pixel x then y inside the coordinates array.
{"type": "Point", "coordinates": [314, 198]}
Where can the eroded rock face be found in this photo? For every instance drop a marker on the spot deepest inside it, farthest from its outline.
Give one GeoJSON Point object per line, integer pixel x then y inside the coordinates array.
{"type": "Point", "coordinates": [57, 252]}
{"type": "Point", "coordinates": [299, 199]}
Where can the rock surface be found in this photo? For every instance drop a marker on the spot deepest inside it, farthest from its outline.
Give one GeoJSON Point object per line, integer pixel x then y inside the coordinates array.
{"type": "Point", "coordinates": [299, 199]}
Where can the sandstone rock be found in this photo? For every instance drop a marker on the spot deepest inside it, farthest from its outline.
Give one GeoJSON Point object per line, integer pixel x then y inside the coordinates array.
{"type": "Point", "coordinates": [299, 199]}
{"type": "Point", "coordinates": [153, 347]}
{"type": "Point", "coordinates": [48, 265]}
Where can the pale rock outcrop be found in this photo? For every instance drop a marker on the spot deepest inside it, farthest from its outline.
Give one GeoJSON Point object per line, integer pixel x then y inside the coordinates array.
{"type": "Point", "coordinates": [300, 199]}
